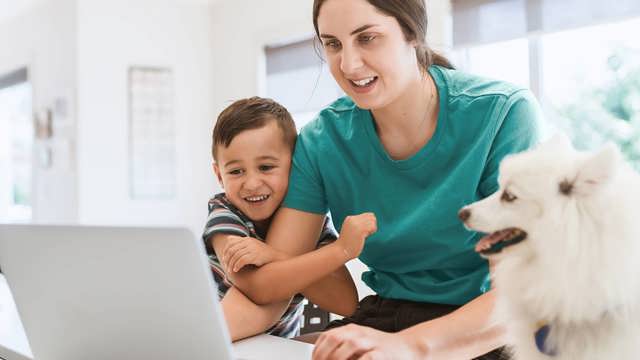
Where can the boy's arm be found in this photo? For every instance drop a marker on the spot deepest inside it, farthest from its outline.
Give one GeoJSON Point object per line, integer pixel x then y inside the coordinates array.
{"type": "Point", "coordinates": [335, 294]}
{"type": "Point", "coordinates": [244, 317]}
{"type": "Point", "coordinates": [312, 272]}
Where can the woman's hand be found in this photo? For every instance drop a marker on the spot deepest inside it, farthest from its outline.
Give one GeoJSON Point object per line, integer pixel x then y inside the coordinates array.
{"type": "Point", "coordinates": [361, 342]}
{"type": "Point", "coordinates": [355, 229]}
{"type": "Point", "coordinates": [242, 251]}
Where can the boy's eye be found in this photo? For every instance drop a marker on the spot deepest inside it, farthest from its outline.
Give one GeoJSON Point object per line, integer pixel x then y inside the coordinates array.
{"type": "Point", "coordinates": [266, 167]}
{"type": "Point", "coordinates": [507, 196]}
{"type": "Point", "coordinates": [236, 172]}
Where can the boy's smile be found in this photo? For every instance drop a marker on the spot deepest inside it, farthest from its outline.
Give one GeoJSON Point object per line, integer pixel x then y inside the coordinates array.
{"type": "Point", "coordinates": [254, 171]}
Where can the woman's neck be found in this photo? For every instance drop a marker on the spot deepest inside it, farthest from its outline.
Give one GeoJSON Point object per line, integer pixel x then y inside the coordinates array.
{"type": "Point", "coordinates": [407, 124]}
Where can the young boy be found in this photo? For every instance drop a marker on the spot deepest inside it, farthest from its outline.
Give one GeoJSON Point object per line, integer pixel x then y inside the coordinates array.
{"type": "Point", "coordinates": [252, 145]}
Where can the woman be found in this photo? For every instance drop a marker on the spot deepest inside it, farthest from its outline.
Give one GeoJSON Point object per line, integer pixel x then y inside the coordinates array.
{"type": "Point", "coordinates": [412, 142]}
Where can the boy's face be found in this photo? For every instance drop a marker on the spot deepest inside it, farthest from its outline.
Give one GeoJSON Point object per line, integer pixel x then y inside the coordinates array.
{"type": "Point", "coordinates": [254, 170]}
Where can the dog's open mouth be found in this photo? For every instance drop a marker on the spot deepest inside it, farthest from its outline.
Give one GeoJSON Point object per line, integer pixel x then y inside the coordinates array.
{"type": "Point", "coordinates": [494, 243]}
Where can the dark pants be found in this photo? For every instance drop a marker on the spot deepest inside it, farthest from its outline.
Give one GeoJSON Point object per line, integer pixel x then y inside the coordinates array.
{"type": "Point", "coordinates": [394, 315]}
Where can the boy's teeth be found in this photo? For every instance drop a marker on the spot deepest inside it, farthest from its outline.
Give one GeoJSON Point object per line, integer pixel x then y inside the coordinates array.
{"type": "Point", "coordinates": [363, 82]}
{"type": "Point", "coordinates": [257, 198]}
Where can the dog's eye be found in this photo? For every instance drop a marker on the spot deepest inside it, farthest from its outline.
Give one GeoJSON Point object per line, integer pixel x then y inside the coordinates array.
{"type": "Point", "coordinates": [507, 196]}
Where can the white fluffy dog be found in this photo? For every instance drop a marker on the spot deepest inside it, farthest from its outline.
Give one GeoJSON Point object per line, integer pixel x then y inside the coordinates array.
{"type": "Point", "coordinates": [565, 237]}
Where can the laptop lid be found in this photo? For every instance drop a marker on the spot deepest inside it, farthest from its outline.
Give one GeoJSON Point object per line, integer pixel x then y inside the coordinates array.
{"type": "Point", "coordinates": [113, 293]}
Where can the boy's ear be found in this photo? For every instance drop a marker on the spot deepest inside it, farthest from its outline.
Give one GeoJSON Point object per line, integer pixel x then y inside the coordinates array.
{"type": "Point", "coordinates": [216, 170]}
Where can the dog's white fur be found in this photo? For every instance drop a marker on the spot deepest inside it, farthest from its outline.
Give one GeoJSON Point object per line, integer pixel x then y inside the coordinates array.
{"type": "Point", "coordinates": [578, 270]}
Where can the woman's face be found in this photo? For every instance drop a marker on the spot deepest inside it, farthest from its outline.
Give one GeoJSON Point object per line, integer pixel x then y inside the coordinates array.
{"type": "Point", "coordinates": [367, 52]}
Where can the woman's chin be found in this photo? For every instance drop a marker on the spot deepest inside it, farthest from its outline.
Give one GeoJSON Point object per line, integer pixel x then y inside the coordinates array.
{"type": "Point", "coordinates": [366, 102]}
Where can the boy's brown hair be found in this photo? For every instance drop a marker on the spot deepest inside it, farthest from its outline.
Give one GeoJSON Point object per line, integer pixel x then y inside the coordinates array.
{"type": "Point", "coordinates": [248, 114]}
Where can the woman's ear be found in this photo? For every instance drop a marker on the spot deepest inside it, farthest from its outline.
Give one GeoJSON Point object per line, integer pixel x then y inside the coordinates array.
{"type": "Point", "coordinates": [216, 170]}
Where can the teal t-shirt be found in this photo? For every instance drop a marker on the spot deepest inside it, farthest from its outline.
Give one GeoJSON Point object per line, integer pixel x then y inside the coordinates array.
{"type": "Point", "coordinates": [421, 251]}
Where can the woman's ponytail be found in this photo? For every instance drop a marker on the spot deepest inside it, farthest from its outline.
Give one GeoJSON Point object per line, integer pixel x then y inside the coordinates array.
{"type": "Point", "coordinates": [437, 59]}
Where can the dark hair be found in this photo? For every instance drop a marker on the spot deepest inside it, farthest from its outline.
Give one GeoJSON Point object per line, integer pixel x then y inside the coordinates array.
{"type": "Point", "coordinates": [412, 17]}
{"type": "Point", "coordinates": [248, 114]}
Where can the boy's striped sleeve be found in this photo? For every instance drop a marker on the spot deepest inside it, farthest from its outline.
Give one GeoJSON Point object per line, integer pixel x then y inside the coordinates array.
{"type": "Point", "coordinates": [328, 234]}
{"type": "Point", "coordinates": [222, 221]}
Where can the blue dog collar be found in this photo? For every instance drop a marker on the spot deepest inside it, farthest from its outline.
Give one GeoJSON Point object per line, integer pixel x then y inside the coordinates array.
{"type": "Point", "coordinates": [541, 336]}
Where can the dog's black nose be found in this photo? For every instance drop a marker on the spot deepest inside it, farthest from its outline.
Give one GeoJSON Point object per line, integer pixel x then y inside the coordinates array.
{"type": "Point", "coordinates": [464, 214]}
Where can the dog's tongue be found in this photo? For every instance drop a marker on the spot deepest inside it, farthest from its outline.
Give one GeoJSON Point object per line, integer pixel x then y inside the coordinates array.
{"type": "Point", "coordinates": [488, 241]}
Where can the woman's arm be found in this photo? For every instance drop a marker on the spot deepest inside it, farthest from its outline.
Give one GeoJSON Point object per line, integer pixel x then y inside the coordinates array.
{"type": "Point", "coordinates": [336, 293]}
{"type": "Point", "coordinates": [467, 333]}
{"type": "Point", "coordinates": [449, 337]}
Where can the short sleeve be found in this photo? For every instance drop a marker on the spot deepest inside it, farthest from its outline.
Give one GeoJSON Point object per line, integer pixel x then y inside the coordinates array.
{"type": "Point", "coordinates": [222, 220]}
{"type": "Point", "coordinates": [306, 190]}
{"type": "Point", "coordinates": [516, 132]}
{"type": "Point", "coordinates": [328, 234]}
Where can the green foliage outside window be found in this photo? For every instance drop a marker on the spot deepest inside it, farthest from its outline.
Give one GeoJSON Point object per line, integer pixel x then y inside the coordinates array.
{"type": "Point", "coordinates": [610, 112]}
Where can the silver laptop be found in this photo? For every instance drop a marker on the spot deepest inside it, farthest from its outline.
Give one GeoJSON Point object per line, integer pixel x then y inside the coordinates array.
{"type": "Point", "coordinates": [113, 293]}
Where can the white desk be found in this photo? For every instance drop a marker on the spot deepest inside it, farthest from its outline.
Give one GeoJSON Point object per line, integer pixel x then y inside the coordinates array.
{"type": "Point", "coordinates": [268, 347]}
{"type": "Point", "coordinates": [14, 344]}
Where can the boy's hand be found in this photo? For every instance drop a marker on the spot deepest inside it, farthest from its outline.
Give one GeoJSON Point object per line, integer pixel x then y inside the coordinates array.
{"type": "Point", "coordinates": [355, 229]}
{"type": "Point", "coordinates": [242, 251]}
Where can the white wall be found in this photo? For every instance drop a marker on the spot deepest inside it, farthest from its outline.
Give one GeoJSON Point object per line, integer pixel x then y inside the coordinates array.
{"type": "Point", "coordinates": [40, 35]}
{"type": "Point", "coordinates": [113, 35]}
{"type": "Point", "coordinates": [440, 27]}
{"type": "Point", "coordinates": [240, 30]}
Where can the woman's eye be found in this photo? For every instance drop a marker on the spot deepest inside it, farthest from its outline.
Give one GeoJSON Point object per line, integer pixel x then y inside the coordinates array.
{"type": "Point", "coordinates": [332, 44]}
{"type": "Point", "coordinates": [507, 196]}
{"type": "Point", "coordinates": [366, 38]}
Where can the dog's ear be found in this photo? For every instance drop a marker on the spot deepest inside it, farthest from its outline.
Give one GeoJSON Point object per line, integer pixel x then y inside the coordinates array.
{"type": "Point", "coordinates": [598, 169]}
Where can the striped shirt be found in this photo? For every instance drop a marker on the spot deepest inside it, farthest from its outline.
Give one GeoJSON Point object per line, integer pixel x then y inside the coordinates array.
{"type": "Point", "coordinates": [225, 218]}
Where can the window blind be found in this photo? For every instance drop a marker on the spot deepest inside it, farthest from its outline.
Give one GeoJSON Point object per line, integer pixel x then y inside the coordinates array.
{"type": "Point", "coordinates": [485, 21]}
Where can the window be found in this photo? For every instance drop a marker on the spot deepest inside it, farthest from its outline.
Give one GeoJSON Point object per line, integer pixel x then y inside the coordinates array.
{"type": "Point", "coordinates": [584, 68]}
{"type": "Point", "coordinates": [506, 60]}
{"type": "Point", "coordinates": [16, 143]}
{"type": "Point", "coordinates": [598, 97]}
{"type": "Point", "coordinates": [298, 79]}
